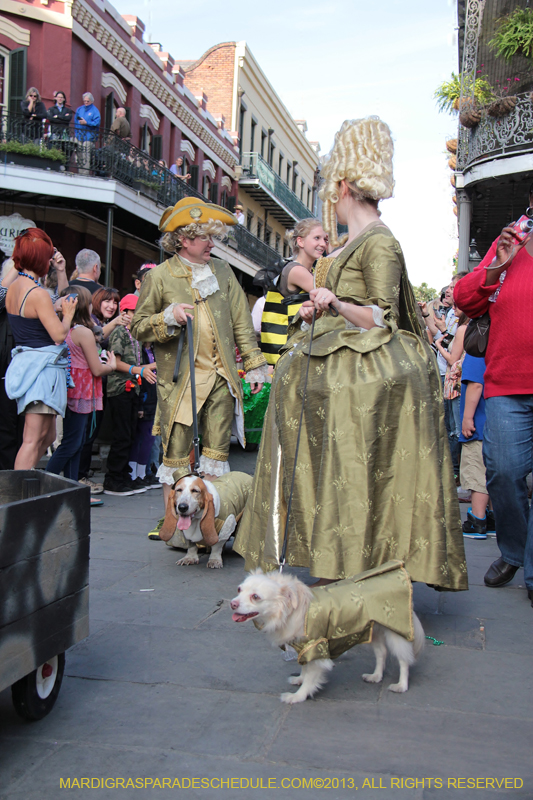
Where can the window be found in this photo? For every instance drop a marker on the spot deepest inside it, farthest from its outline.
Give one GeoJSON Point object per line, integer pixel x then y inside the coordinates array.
{"type": "Point", "coordinates": [280, 164]}
{"type": "Point", "coordinates": [263, 140]}
{"type": "Point", "coordinates": [17, 79]}
{"type": "Point", "coordinates": [294, 179]}
{"type": "Point", "coordinates": [156, 150]}
{"type": "Point", "coordinates": [242, 112]}
{"type": "Point", "coordinates": [268, 234]}
{"type": "Point", "coordinates": [252, 135]}
{"type": "Point", "coordinates": [249, 218]}
{"type": "Point", "coordinates": [109, 113]}
{"type": "Point", "coordinates": [302, 187]}
{"type": "Point", "coordinates": [194, 176]}
{"type": "Point", "coordinates": [278, 241]}
{"type": "Point", "coordinates": [259, 229]}
{"type": "Point", "coordinates": [146, 138]}
{"type": "Point", "coordinates": [309, 197]}
{"type": "Point", "coordinates": [288, 174]}
{"type": "Point", "coordinates": [286, 251]}
{"type": "Point", "coordinates": [206, 186]}
{"type": "Point", "coordinates": [224, 198]}
{"type": "Point", "coordinates": [271, 149]}
{"type": "Point", "coordinates": [213, 195]}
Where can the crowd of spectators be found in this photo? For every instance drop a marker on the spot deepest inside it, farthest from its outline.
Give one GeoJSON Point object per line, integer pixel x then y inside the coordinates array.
{"type": "Point", "coordinates": [79, 327]}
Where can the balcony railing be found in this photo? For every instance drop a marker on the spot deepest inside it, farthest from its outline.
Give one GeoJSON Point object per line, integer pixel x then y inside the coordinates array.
{"type": "Point", "coordinates": [250, 246]}
{"type": "Point", "coordinates": [255, 169]}
{"type": "Point", "coordinates": [499, 137]}
{"type": "Point", "coordinates": [102, 154]}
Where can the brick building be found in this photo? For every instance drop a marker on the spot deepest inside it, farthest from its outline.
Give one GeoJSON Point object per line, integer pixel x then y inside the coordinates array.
{"type": "Point", "coordinates": [109, 197]}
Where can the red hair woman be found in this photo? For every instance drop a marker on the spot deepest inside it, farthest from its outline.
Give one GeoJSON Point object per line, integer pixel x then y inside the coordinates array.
{"type": "Point", "coordinates": [31, 378]}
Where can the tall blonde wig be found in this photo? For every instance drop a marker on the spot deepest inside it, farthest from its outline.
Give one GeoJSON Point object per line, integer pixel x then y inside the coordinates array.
{"type": "Point", "coordinates": [171, 242]}
{"type": "Point", "coordinates": [362, 156]}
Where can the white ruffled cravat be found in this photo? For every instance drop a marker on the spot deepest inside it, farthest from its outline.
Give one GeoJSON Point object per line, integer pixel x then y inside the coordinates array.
{"type": "Point", "coordinates": [203, 279]}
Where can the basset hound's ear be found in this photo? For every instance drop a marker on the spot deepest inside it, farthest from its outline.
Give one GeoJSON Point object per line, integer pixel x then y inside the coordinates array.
{"type": "Point", "coordinates": [169, 525]}
{"type": "Point", "coordinates": [207, 523]}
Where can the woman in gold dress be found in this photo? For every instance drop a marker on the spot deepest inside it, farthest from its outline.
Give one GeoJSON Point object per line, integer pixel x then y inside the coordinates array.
{"type": "Point", "coordinates": [374, 479]}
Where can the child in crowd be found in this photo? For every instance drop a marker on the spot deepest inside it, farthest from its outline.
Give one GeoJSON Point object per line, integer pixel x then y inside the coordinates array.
{"type": "Point", "coordinates": [141, 451]}
{"type": "Point", "coordinates": [480, 520]}
{"type": "Point", "coordinates": [123, 389]}
{"type": "Point", "coordinates": [85, 398]}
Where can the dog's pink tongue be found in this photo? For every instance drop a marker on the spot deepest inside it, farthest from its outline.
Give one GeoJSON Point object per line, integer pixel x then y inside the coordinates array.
{"type": "Point", "coordinates": [184, 523]}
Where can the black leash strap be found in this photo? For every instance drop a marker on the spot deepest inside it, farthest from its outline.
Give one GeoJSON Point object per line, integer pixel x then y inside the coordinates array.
{"type": "Point", "coordinates": [181, 341]}
{"type": "Point", "coordinates": [301, 298]}
{"type": "Point", "coordinates": [196, 438]}
{"type": "Point", "coordinates": [289, 504]}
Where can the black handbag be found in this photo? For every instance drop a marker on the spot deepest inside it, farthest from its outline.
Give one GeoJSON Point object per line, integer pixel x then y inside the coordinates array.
{"type": "Point", "coordinates": [477, 336]}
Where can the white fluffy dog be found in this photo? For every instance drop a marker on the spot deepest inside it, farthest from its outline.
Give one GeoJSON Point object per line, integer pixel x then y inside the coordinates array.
{"type": "Point", "coordinates": [279, 604]}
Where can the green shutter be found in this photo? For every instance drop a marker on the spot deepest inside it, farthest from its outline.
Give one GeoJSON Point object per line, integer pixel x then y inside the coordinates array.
{"type": "Point", "coordinates": [17, 79]}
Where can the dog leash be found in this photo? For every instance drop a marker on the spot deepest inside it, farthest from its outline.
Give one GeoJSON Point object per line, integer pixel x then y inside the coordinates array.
{"type": "Point", "coordinates": [333, 311]}
{"type": "Point", "coordinates": [190, 340]}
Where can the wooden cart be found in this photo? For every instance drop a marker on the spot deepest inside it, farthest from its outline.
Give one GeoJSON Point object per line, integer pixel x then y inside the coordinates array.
{"type": "Point", "coordinates": [44, 583]}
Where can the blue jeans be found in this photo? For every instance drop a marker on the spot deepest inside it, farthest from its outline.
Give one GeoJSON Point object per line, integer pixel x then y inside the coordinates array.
{"type": "Point", "coordinates": [66, 458]}
{"type": "Point", "coordinates": [453, 441]}
{"type": "Point", "coordinates": [508, 456]}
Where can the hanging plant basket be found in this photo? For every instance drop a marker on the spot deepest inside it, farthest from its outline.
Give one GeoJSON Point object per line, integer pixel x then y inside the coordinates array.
{"type": "Point", "coordinates": [514, 35]}
{"type": "Point", "coordinates": [470, 117]}
{"type": "Point", "coordinates": [452, 181]}
{"type": "Point", "coordinates": [452, 162]}
{"type": "Point", "coordinates": [502, 106]}
{"type": "Point", "coordinates": [454, 199]}
{"type": "Point", "coordinates": [451, 146]}
{"type": "Point", "coordinates": [455, 210]}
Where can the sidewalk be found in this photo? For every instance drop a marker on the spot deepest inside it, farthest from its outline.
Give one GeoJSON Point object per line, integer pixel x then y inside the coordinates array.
{"type": "Point", "coordinates": [168, 687]}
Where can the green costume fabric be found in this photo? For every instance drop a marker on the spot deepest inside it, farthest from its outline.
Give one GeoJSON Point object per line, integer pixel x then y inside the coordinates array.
{"type": "Point", "coordinates": [374, 479]}
{"type": "Point", "coordinates": [233, 489]}
{"type": "Point", "coordinates": [228, 313]}
{"type": "Point", "coordinates": [255, 406]}
{"type": "Point", "coordinates": [343, 614]}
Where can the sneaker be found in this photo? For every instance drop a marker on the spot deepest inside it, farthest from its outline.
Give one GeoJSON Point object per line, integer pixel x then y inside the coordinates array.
{"type": "Point", "coordinates": [473, 527]}
{"type": "Point", "coordinates": [151, 482]}
{"type": "Point", "coordinates": [154, 534]}
{"type": "Point", "coordinates": [118, 489]}
{"type": "Point", "coordinates": [96, 488]}
{"type": "Point", "coordinates": [137, 486]}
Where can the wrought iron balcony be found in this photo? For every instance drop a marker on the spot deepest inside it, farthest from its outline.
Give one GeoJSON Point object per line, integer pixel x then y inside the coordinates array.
{"type": "Point", "coordinates": [261, 182]}
{"type": "Point", "coordinates": [251, 247]}
{"type": "Point", "coordinates": [102, 154]}
{"type": "Point", "coordinates": [498, 137]}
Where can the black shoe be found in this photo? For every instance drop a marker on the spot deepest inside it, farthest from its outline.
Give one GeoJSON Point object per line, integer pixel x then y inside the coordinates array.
{"type": "Point", "coordinates": [473, 527]}
{"type": "Point", "coordinates": [137, 486]}
{"type": "Point", "coordinates": [151, 482]}
{"type": "Point", "coordinates": [117, 488]}
{"type": "Point", "coordinates": [500, 573]}
{"type": "Point", "coordinates": [491, 522]}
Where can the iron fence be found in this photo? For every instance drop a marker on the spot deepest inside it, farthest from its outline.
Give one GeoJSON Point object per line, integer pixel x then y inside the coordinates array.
{"type": "Point", "coordinates": [500, 136]}
{"type": "Point", "coordinates": [101, 153]}
{"type": "Point", "coordinates": [254, 166]}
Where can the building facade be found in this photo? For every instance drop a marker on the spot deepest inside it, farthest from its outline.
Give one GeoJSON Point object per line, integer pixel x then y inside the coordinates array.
{"type": "Point", "coordinates": [495, 155]}
{"type": "Point", "coordinates": [278, 166]}
{"type": "Point", "coordinates": [106, 193]}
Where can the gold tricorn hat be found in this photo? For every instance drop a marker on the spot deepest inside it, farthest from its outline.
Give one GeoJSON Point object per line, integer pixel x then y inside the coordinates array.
{"type": "Point", "coordinates": [189, 210]}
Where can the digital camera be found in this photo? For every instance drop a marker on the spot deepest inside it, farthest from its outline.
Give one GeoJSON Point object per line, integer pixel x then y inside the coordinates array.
{"type": "Point", "coordinates": [522, 227]}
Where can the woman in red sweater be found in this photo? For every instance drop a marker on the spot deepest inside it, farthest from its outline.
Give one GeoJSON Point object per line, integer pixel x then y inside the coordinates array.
{"type": "Point", "coordinates": [503, 285]}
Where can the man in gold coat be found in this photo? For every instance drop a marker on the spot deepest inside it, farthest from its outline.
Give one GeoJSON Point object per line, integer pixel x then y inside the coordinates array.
{"type": "Point", "coordinates": [193, 284]}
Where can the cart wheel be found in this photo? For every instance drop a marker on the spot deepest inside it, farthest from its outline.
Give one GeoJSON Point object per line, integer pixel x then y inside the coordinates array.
{"type": "Point", "coordinates": [34, 695]}
{"type": "Point", "coordinates": [251, 447]}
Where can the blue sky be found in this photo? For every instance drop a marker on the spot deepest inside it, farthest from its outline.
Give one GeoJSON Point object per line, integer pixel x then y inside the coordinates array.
{"type": "Point", "coordinates": [343, 60]}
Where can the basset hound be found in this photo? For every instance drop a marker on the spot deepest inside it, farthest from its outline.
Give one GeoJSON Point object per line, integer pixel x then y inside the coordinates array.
{"type": "Point", "coordinates": [198, 512]}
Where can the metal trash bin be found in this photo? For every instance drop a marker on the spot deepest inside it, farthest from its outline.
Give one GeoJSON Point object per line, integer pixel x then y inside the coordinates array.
{"type": "Point", "coordinates": [44, 583]}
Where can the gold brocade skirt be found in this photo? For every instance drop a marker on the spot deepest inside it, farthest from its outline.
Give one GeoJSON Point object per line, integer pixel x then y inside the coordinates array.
{"type": "Point", "coordinates": [374, 479]}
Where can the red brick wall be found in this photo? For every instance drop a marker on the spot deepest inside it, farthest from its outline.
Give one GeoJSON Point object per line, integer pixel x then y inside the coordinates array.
{"type": "Point", "coordinates": [213, 73]}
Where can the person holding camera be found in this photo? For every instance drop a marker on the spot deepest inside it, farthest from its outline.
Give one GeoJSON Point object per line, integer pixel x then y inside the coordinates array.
{"type": "Point", "coordinates": [502, 284]}
{"type": "Point", "coordinates": [84, 398]}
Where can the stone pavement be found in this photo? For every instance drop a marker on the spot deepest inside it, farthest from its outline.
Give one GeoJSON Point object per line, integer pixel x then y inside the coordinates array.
{"type": "Point", "coordinates": [168, 687]}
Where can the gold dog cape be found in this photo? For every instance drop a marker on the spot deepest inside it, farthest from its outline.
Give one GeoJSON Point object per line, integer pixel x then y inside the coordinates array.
{"type": "Point", "coordinates": [343, 614]}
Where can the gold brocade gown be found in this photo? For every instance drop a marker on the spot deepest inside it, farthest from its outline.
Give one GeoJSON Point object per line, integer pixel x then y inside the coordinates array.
{"type": "Point", "coordinates": [374, 478]}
